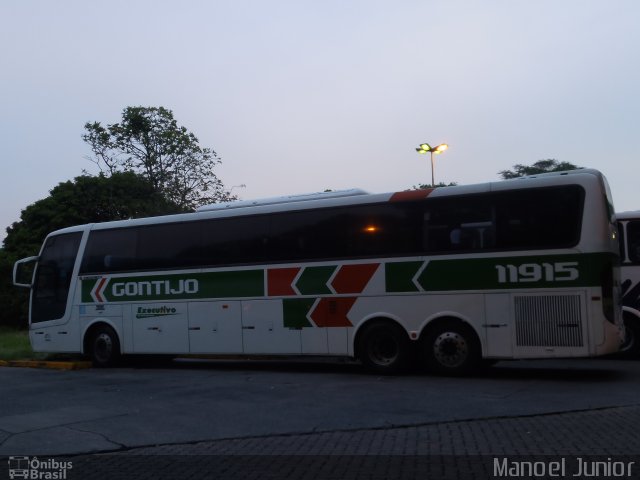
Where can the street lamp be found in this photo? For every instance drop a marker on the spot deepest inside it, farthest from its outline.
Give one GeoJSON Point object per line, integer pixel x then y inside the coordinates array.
{"type": "Point", "coordinates": [426, 148]}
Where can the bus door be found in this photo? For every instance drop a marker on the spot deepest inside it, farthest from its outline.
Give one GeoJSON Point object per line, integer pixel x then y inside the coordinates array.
{"type": "Point", "coordinates": [53, 278]}
{"type": "Point", "coordinates": [215, 327]}
{"type": "Point", "coordinates": [52, 294]}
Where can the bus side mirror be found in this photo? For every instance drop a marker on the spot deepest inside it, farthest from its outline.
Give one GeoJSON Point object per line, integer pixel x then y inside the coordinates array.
{"type": "Point", "coordinates": [23, 272]}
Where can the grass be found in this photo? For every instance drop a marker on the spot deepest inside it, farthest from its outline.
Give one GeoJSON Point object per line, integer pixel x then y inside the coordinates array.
{"type": "Point", "coordinates": [14, 345]}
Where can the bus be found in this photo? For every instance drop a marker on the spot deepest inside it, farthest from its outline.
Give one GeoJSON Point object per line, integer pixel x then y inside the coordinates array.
{"type": "Point", "coordinates": [450, 278]}
{"type": "Point", "coordinates": [629, 228]}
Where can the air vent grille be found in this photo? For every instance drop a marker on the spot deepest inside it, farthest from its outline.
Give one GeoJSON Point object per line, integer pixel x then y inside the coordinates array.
{"type": "Point", "coordinates": [548, 321]}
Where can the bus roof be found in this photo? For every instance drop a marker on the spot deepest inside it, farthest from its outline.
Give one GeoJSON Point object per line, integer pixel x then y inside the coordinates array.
{"type": "Point", "coordinates": [304, 197]}
{"type": "Point", "coordinates": [628, 215]}
{"type": "Point", "coordinates": [331, 199]}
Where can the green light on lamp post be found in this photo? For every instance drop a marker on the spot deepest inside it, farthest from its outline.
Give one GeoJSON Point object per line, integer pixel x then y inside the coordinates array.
{"type": "Point", "coordinates": [426, 148]}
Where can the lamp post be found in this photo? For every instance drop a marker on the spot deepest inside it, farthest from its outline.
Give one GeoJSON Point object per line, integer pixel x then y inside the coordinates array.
{"type": "Point", "coordinates": [426, 148]}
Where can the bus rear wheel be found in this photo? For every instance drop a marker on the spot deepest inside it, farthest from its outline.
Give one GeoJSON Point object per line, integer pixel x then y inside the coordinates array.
{"type": "Point", "coordinates": [104, 347]}
{"type": "Point", "coordinates": [384, 348]}
{"type": "Point", "coordinates": [451, 348]}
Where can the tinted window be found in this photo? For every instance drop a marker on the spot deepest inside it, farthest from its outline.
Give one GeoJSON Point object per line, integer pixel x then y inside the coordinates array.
{"type": "Point", "coordinates": [110, 251]}
{"type": "Point", "coordinates": [539, 218]}
{"type": "Point", "coordinates": [633, 241]}
{"type": "Point", "coordinates": [171, 245]}
{"type": "Point", "coordinates": [359, 231]}
{"type": "Point", "coordinates": [621, 241]}
{"type": "Point", "coordinates": [53, 277]}
{"type": "Point", "coordinates": [515, 220]}
{"type": "Point", "coordinates": [234, 240]}
{"type": "Point", "coordinates": [386, 229]}
{"type": "Point", "coordinates": [458, 223]}
{"type": "Point", "coordinates": [308, 234]}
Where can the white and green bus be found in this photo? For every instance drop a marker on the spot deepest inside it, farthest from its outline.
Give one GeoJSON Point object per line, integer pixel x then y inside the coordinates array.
{"type": "Point", "coordinates": [629, 228]}
{"type": "Point", "coordinates": [451, 277]}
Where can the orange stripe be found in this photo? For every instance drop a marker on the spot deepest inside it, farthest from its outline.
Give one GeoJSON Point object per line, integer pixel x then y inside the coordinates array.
{"type": "Point", "coordinates": [411, 195]}
{"type": "Point", "coordinates": [353, 278]}
{"type": "Point", "coordinates": [332, 312]}
{"type": "Point", "coordinates": [279, 281]}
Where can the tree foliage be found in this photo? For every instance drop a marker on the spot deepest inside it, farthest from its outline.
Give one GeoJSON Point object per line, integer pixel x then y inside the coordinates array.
{"type": "Point", "coordinates": [541, 166]}
{"type": "Point", "coordinates": [13, 300]}
{"type": "Point", "coordinates": [423, 186]}
{"type": "Point", "coordinates": [85, 199]}
{"type": "Point", "coordinates": [150, 142]}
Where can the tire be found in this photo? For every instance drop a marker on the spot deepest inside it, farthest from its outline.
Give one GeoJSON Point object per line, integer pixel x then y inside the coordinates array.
{"type": "Point", "coordinates": [451, 348]}
{"type": "Point", "coordinates": [384, 348]}
{"type": "Point", "coordinates": [631, 346]}
{"type": "Point", "coordinates": [104, 347]}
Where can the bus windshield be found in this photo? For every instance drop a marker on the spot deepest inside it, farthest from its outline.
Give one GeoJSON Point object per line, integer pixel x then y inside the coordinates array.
{"type": "Point", "coordinates": [53, 277]}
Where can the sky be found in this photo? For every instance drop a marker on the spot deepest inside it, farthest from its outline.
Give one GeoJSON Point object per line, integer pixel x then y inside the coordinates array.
{"type": "Point", "coordinates": [299, 96]}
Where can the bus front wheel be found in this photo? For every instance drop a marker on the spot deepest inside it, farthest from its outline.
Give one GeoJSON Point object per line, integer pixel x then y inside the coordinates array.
{"type": "Point", "coordinates": [104, 347]}
{"type": "Point", "coordinates": [451, 348]}
{"type": "Point", "coordinates": [384, 348]}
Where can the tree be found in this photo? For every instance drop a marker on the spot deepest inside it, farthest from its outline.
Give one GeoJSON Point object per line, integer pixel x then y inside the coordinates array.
{"type": "Point", "coordinates": [149, 141]}
{"type": "Point", "coordinates": [13, 300]}
{"type": "Point", "coordinates": [423, 186]}
{"type": "Point", "coordinates": [541, 166]}
{"type": "Point", "coordinates": [85, 199]}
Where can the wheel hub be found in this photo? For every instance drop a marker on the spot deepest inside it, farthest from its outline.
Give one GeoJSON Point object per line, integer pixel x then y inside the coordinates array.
{"type": "Point", "coordinates": [450, 349]}
{"type": "Point", "coordinates": [384, 351]}
{"type": "Point", "coordinates": [103, 346]}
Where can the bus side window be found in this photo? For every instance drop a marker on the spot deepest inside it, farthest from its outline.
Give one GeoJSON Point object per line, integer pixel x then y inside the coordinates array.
{"type": "Point", "coordinates": [633, 241]}
{"type": "Point", "coordinates": [110, 251]}
{"type": "Point", "coordinates": [229, 241]}
{"type": "Point", "coordinates": [165, 246]}
{"type": "Point", "coordinates": [458, 224]}
{"type": "Point", "coordinates": [622, 242]}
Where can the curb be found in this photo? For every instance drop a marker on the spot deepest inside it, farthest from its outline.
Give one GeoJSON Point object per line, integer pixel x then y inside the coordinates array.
{"type": "Point", "coordinates": [53, 365]}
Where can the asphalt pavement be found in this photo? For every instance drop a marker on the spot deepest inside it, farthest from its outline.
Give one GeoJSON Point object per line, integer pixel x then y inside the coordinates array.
{"type": "Point", "coordinates": [319, 419]}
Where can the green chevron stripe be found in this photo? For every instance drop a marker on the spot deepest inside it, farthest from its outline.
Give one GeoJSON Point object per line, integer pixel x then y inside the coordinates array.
{"type": "Point", "coordinates": [295, 312]}
{"type": "Point", "coordinates": [399, 276]}
{"type": "Point", "coordinates": [313, 280]}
